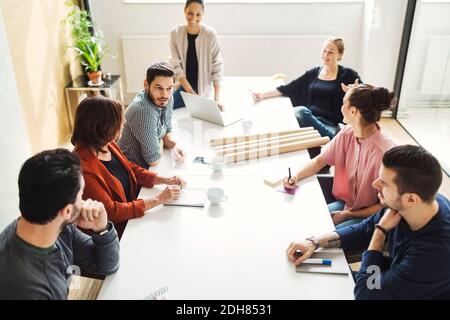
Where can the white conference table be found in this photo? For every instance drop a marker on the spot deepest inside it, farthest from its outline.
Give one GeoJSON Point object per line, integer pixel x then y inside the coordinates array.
{"type": "Point", "coordinates": [234, 250]}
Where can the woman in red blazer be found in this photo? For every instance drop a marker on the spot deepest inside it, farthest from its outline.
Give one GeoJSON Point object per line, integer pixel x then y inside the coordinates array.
{"type": "Point", "coordinates": [109, 177]}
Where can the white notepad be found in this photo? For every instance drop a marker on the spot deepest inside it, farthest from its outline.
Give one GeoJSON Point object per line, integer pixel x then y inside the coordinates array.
{"type": "Point", "coordinates": [338, 266]}
{"type": "Point", "coordinates": [190, 197]}
{"type": "Point", "coordinates": [273, 181]}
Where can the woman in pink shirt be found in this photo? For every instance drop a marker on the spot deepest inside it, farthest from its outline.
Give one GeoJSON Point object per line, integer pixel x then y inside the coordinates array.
{"type": "Point", "coordinates": [356, 153]}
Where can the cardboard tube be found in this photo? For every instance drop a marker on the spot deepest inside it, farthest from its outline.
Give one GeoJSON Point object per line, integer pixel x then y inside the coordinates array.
{"type": "Point", "coordinates": [266, 144]}
{"type": "Point", "coordinates": [238, 139]}
{"type": "Point", "coordinates": [280, 149]}
{"type": "Point", "coordinates": [265, 140]}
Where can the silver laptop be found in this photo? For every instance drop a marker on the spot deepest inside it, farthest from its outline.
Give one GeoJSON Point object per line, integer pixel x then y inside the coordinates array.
{"type": "Point", "coordinates": [208, 110]}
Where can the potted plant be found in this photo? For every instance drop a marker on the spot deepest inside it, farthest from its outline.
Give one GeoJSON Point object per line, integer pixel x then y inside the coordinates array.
{"type": "Point", "coordinates": [89, 46]}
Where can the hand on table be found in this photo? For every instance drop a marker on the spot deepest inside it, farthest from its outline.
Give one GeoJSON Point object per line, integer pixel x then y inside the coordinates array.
{"type": "Point", "coordinates": [306, 248]}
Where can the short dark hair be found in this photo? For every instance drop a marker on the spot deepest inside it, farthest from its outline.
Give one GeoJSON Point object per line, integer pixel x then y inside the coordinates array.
{"type": "Point", "coordinates": [370, 101]}
{"type": "Point", "coordinates": [188, 2]}
{"type": "Point", "coordinates": [48, 182]}
{"type": "Point", "coordinates": [97, 121]}
{"type": "Point", "coordinates": [417, 171]}
{"type": "Point", "coordinates": [161, 69]}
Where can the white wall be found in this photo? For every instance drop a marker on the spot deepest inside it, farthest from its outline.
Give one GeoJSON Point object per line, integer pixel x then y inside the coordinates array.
{"type": "Point", "coordinates": [379, 41]}
{"type": "Point", "coordinates": [13, 137]}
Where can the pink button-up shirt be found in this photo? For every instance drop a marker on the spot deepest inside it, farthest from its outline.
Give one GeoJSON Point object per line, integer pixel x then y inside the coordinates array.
{"type": "Point", "coordinates": [356, 162]}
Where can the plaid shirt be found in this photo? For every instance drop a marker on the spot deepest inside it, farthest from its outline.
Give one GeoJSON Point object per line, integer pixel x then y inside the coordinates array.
{"type": "Point", "coordinates": [146, 124]}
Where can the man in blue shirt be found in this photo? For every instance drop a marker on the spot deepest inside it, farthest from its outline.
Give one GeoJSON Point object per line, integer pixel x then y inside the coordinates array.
{"type": "Point", "coordinates": [415, 227]}
{"type": "Point", "coordinates": [148, 127]}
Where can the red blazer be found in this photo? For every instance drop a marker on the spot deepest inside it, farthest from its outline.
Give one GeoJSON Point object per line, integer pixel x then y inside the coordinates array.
{"type": "Point", "coordinates": [102, 186]}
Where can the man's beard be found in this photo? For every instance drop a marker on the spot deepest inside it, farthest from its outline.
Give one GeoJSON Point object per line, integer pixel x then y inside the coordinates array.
{"type": "Point", "coordinates": [396, 205]}
{"type": "Point", "coordinates": [152, 99]}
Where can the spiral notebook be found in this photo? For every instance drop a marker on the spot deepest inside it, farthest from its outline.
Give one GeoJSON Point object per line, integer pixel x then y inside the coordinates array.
{"type": "Point", "coordinates": [338, 266]}
{"type": "Point", "coordinates": [190, 197]}
{"type": "Point", "coordinates": [160, 294]}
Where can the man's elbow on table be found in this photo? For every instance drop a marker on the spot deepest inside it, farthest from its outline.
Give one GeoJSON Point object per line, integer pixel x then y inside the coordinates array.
{"type": "Point", "coordinates": [169, 144]}
{"type": "Point", "coordinates": [152, 164]}
{"type": "Point", "coordinates": [154, 159]}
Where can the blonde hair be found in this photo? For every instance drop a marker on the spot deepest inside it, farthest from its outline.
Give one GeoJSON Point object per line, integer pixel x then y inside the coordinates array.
{"type": "Point", "coordinates": [339, 43]}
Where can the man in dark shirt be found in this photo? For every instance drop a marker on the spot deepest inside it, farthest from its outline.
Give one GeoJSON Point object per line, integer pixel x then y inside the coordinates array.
{"type": "Point", "coordinates": [41, 249]}
{"type": "Point", "coordinates": [415, 227]}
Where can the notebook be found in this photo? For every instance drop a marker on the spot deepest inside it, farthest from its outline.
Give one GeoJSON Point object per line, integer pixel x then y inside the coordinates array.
{"type": "Point", "coordinates": [160, 294]}
{"type": "Point", "coordinates": [273, 181]}
{"type": "Point", "coordinates": [190, 197]}
{"type": "Point", "coordinates": [291, 192]}
{"type": "Point", "coordinates": [338, 266]}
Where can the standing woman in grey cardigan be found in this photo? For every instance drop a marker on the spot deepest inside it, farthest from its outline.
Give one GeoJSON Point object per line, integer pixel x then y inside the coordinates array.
{"type": "Point", "coordinates": [195, 55]}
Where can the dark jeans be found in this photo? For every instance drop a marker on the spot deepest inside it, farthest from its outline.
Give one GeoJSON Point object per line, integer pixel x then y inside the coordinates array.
{"type": "Point", "coordinates": [305, 118]}
{"type": "Point", "coordinates": [178, 99]}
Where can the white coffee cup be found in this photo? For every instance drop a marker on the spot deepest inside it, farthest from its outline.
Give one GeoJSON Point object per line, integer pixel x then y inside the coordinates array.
{"type": "Point", "coordinates": [247, 125]}
{"type": "Point", "coordinates": [217, 163]}
{"type": "Point", "coordinates": [216, 195]}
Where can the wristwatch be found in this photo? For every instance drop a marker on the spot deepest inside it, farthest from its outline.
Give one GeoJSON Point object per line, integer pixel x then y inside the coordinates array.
{"type": "Point", "coordinates": [105, 231]}
{"type": "Point", "coordinates": [315, 242]}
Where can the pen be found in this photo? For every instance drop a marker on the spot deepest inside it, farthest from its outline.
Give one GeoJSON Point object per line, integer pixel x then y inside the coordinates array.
{"type": "Point", "coordinates": [326, 262]}
{"type": "Point", "coordinates": [289, 179]}
{"type": "Point", "coordinates": [180, 183]}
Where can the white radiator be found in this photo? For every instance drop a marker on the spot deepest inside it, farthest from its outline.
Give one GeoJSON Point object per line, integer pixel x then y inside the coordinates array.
{"type": "Point", "coordinates": [138, 53]}
{"type": "Point", "coordinates": [244, 55]}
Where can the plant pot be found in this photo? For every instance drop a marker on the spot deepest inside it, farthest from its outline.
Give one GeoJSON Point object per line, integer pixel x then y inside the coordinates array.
{"type": "Point", "coordinates": [95, 77]}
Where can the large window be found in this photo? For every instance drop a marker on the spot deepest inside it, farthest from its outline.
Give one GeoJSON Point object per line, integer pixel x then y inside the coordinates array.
{"type": "Point", "coordinates": [240, 1]}
{"type": "Point", "coordinates": [424, 106]}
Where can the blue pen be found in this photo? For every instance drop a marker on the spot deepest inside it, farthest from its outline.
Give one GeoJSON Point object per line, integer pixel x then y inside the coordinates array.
{"type": "Point", "coordinates": [325, 262]}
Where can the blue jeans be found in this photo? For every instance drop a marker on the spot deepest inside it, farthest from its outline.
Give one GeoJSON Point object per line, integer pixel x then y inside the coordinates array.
{"type": "Point", "coordinates": [305, 118]}
{"type": "Point", "coordinates": [177, 99]}
{"type": "Point", "coordinates": [339, 206]}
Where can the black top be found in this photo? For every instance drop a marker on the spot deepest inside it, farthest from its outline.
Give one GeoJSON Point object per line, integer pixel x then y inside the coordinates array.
{"type": "Point", "coordinates": [299, 91]}
{"type": "Point", "coordinates": [117, 170]}
{"type": "Point", "coordinates": [192, 62]}
{"type": "Point", "coordinates": [322, 97]}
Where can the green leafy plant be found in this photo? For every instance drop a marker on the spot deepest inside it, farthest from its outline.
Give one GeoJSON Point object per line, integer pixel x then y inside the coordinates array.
{"type": "Point", "coordinates": [90, 48]}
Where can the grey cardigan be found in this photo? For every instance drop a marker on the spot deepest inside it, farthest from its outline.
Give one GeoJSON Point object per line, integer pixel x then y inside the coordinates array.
{"type": "Point", "coordinates": [210, 63]}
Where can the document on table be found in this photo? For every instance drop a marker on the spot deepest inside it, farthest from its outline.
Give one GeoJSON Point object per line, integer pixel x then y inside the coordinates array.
{"type": "Point", "coordinates": [190, 197]}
